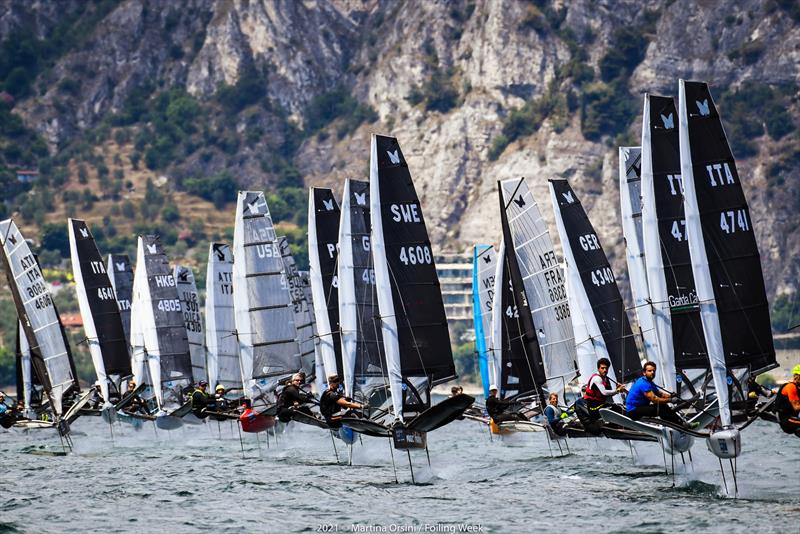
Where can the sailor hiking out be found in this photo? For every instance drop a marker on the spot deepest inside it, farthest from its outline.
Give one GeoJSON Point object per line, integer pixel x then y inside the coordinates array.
{"type": "Point", "coordinates": [333, 401]}
{"type": "Point", "coordinates": [645, 400]}
{"type": "Point", "coordinates": [200, 400]}
{"type": "Point", "coordinates": [500, 410]}
{"type": "Point", "coordinates": [788, 404]}
{"type": "Point", "coordinates": [293, 399]}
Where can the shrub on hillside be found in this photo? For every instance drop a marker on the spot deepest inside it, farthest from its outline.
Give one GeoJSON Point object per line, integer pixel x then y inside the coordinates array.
{"type": "Point", "coordinates": [206, 186]}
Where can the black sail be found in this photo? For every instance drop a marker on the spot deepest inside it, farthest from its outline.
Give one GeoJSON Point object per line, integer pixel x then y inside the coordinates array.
{"type": "Point", "coordinates": [598, 282]}
{"type": "Point", "coordinates": [369, 356]}
{"type": "Point", "coordinates": [170, 329]}
{"type": "Point", "coordinates": [734, 262]}
{"type": "Point", "coordinates": [423, 337]}
{"type": "Point", "coordinates": [327, 215]}
{"type": "Point", "coordinates": [120, 273]}
{"type": "Point", "coordinates": [521, 366]}
{"type": "Point", "coordinates": [104, 312]}
{"type": "Point", "coordinates": [689, 346]}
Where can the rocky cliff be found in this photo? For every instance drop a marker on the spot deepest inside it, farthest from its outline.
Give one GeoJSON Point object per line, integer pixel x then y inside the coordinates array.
{"type": "Point", "coordinates": [475, 90]}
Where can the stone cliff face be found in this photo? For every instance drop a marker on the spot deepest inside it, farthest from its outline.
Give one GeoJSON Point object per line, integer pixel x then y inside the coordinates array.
{"type": "Point", "coordinates": [495, 55]}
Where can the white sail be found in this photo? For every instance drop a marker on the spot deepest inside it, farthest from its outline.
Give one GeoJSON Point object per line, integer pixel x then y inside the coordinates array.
{"type": "Point", "coordinates": [630, 187]}
{"type": "Point", "coordinates": [190, 306]}
{"type": "Point", "coordinates": [700, 268]}
{"type": "Point", "coordinates": [543, 279]}
{"type": "Point", "coordinates": [391, 343]}
{"type": "Point", "coordinates": [326, 341]}
{"type": "Point", "coordinates": [144, 334]}
{"type": "Point", "coordinates": [348, 311]}
{"type": "Point", "coordinates": [264, 318]}
{"type": "Point", "coordinates": [38, 314]}
{"type": "Point", "coordinates": [495, 345]}
{"type": "Point", "coordinates": [222, 348]}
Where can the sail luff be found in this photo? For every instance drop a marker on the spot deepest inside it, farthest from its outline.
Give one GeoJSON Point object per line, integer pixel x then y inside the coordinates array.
{"type": "Point", "coordinates": [630, 184]}
{"type": "Point", "coordinates": [324, 295]}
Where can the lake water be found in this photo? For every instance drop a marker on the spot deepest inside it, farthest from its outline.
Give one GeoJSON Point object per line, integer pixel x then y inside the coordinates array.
{"type": "Point", "coordinates": [197, 478]}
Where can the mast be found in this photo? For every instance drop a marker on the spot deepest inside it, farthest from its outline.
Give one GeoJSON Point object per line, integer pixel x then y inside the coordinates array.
{"type": "Point", "coordinates": [264, 317]}
{"type": "Point", "coordinates": [538, 282]}
{"type": "Point", "coordinates": [190, 307]}
{"type": "Point", "coordinates": [415, 336]}
{"type": "Point", "coordinates": [483, 287]}
{"type": "Point", "coordinates": [630, 187]}
{"type": "Point", "coordinates": [596, 292]}
{"type": "Point", "coordinates": [302, 310]}
{"type": "Point", "coordinates": [120, 275]}
{"type": "Point", "coordinates": [51, 358]}
{"type": "Point", "coordinates": [362, 362]}
{"type": "Point", "coordinates": [676, 312]}
{"type": "Point", "coordinates": [223, 350]}
{"type": "Point", "coordinates": [98, 304]}
{"type": "Point", "coordinates": [724, 253]}
{"type": "Point", "coordinates": [323, 235]}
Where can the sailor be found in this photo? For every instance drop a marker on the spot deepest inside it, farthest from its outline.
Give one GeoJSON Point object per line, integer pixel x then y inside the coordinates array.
{"type": "Point", "coordinates": [556, 416]}
{"type": "Point", "coordinates": [456, 391]}
{"type": "Point", "coordinates": [292, 399]}
{"type": "Point", "coordinates": [645, 399]}
{"type": "Point", "coordinates": [599, 390]}
{"type": "Point", "coordinates": [3, 406]}
{"type": "Point", "coordinates": [787, 404]}
{"type": "Point", "coordinates": [332, 401]}
{"type": "Point", "coordinates": [136, 404]}
{"type": "Point", "coordinates": [200, 400]}
{"type": "Point", "coordinates": [496, 407]}
{"type": "Point", "coordinates": [220, 402]}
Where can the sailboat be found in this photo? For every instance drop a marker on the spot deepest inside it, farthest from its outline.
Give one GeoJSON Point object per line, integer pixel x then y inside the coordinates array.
{"type": "Point", "coordinates": [725, 259]}
{"type": "Point", "coordinates": [416, 340]}
{"type": "Point", "coordinates": [323, 236]}
{"type": "Point", "coordinates": [222, 348]}
{"type": "Point", "coordinates": [264, 316]}
{"type": "Point", "coordinates": [120, 274]}
{"type": "Point", "coordinates": [159, 344]}
{"type": "Point", "coordinates": [51, 357]}
{"type": "Point", "coordinates": [190, 306]}
{"type": "Point", "coordinates": [101, 318]}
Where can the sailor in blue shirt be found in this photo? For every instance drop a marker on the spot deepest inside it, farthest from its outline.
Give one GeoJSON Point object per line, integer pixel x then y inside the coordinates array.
{"type": "Point", "coordinates": [645, 400]}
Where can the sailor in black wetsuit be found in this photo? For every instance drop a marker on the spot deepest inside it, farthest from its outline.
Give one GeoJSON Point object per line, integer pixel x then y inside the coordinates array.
{"type": "Point", "coordinates": [332, 401]}
{"type": "Point", "coordinates": [136, 404]}
{"type": "Point", "coordinates": [200, 400]}
{"type": "Point", "coordinates": [496, 408]}
{"type": "Point", "coordinates": [292, 400]}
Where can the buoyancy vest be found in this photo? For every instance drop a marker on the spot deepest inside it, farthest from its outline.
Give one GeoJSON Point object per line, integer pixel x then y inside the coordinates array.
{"type": "Point", "coordinates": [592, 394]}
{"type": "Point", "coordinates": [782, 404]}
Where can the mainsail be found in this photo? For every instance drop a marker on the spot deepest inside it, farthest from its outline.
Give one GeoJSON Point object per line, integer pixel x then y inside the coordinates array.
{"type": "Point", "coordinates": [362, 361]}
{"type": "Point", "coordinates": [50, 354]}
{"type": "Point", "coordinates": [516, 366]}
{"type": "Point", "coordinates": [414, 325]}
{"type": "Point", "coordinates": [323, 235]}
{"type": "Point", "coordinates": [190, 306]}
{"type": "Point", "coordinates": [264, 315]}
{"type": "Point", "coordinates": [483, 276]}
{"type": "Point", "coordinates": [630, 196]}
{"type": "Point", "coordinates": [223, 350]}
{"type": "Point", "coordinates": [724, 254]}
{"type": "Point", "coordinates": [530, 251]}
{"type": "Point", "coordinates": [303, 314]}
{"type": "Point", "coordinates": [595, 291]}
{"type": "Point", "coordinates": [98, 304]}
{"type": "Point", "coordinates": [158, 333]}
{"type": "Point", "coordinates": [676, 310]}
{"type": "Point", "coordinates": [120, 274]}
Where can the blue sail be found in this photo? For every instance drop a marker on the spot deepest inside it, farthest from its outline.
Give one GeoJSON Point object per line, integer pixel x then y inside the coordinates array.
{"type": "Point", "coordinates": [482, 291]}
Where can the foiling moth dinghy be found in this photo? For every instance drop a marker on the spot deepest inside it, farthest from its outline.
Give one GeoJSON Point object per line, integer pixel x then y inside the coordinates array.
{"type": "Point", "coordinates": [159, 344]}
{"type": "Point", "coordinates": [50, 355]}
{"type": "Point", "coordinates": [416, 341]}
{"type": "Point", "coordinates": [725, 259]}
{"type": "Point", "coordinates": [264, 316]}
{"type": "Point", "coordinates": [102, 322]}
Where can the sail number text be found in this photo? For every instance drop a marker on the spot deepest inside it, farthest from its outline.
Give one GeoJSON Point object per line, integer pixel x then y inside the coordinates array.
{"type": "Point", "coordinates": [601, 277]}
{"type": "Point", "coordinates": [734, 221]}
{"type": "Point", "coordinates": [169, 305]}
{"type": "Point", "coordinates": [416, 255]}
